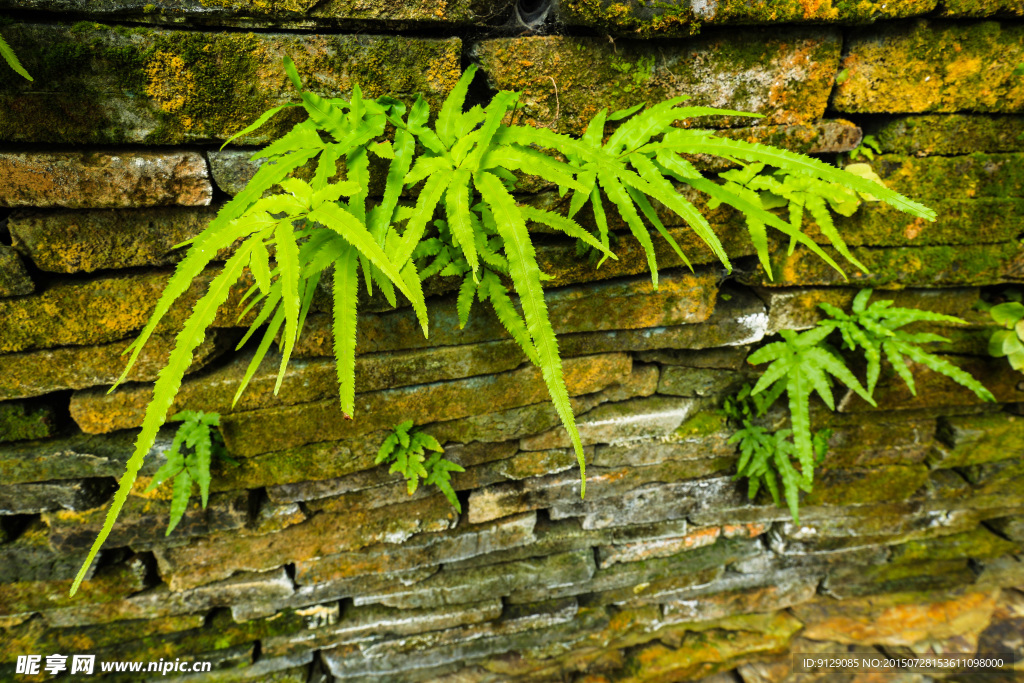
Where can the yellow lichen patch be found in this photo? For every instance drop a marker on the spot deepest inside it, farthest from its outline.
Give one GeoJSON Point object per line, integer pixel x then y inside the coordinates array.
{"type": "Point", "coordinates": [169, 83]}
{"type": "Point", "coordinates": [444, 72]}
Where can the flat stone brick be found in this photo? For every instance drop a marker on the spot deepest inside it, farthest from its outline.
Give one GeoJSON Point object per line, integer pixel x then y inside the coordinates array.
{"type": "Point", "coordinates": [33, 373]}
{"type": "Point", "coordinates": [33, 498]}
{"type": "Point", "coordinates": [14, 279]}
{"type": "Point", "coordinates": [785, 75]}
{"type": "Point", "coordinates": [103, 180]}
{"type": "Point", "coordinates": [86, 241]}
{"type": "Point", "coordinates": [947, 67]}
{"type": "Point", "coordinates": [159, 93]}
{"type": "Point", "coordinates": [951, 134]}
{"type": "Point", "coordinates": [21, 420]}
{"type": "Point", "coordinates": [31, 558]}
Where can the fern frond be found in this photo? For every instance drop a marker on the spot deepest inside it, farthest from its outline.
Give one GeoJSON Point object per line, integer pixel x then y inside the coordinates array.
{"type": "Point", "coordinates": [346, 283]}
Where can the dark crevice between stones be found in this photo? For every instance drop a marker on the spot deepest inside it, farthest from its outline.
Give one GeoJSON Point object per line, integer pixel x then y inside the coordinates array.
{"type": "Point", "coordinates": [12, 526]}
{"type": "Point", "coordinates": [532, 14]}
{"type": "Point", "coordinates": [318, 672]}
{"type": "Point", "coordinates": [257, 499]}
{"type": "Point", "coordinates": [463, 497]}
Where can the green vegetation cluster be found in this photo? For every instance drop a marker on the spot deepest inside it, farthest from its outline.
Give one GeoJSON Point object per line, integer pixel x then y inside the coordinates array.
{"type": "Point", "coordinates": [201, 441]}
{"type": "Point", "coordinates": [462, 167]}
{"type": "Point", "coordinates": [1008, 342]}
{"type": "Point", "coordinates": [805, 363]}
{"type": "Point", "coordinates": [404, 449]}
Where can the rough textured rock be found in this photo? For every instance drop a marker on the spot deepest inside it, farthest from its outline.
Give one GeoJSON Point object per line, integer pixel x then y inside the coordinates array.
{"type": "Point", "coordinates": [784, 75]}
{"type": "Point", "coordinates": [27, 499]}
{"type": "Point", "coordinates": [86, 241]}
{"type": "Point", "coordinates": [158, 86]}
{"type": "Point", "coordinates": [33, 373]}
{"type": "Point", "coordinates": [21, 420]}
{"type": "Point", "coordinates": [686, 17]}
{"type": "Point", "coordinates": [14, 279]}
{"type": "Point", "coordinates": [100, 180]}
{"type": "Point", "coordinates": [947, 67]}
{"type": "Point", "coordinates": [951, 134]}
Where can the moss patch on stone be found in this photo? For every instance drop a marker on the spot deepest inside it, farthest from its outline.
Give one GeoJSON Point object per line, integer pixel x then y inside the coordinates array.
{"type": "Point", "coordinates": [952, 134]}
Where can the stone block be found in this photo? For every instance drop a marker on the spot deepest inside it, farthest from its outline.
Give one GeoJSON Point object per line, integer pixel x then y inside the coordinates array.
{"type": "Point", "coordinates": [219, 555]}
{"type": "Point", "coordinates": [35, 636]}
{"type": "Point", "coordinates": [461, 543]}
{"type": "Point", "coordinates": [862, 486]}
{"type": "Point", "coordinates": [108, 584]}
{"type": "Point", "coordinates": [21, 420]}
{"type": "Point", "coordinates": [752, 71]}
{"type": "Point", "coordinates": [14, 279]}
{"type": "Point", "coordinates": [376, 621]}
{"type": "Point", "coordinates": [797, 309]}
{"type": "Point", "coordinates": [770, 597]}
{"type": "Point", "coordinates": [1011, 527]}
{"type": "Point", "coordinates": [76, 457]}
{"type": "Point", "coordinates": [948, 67]}
{"type": "Point", "coordinates": [974, 439]}
{"type": "Point", "coordinates": [161, 602]}
{"type": "Point", "coordinates": [951, 134]}
{"type": "Point", "coordinates": [36, 497]}
{"type": "Point", "coordinates": [617, 423]}
{"type": "Point", "coordinates": [470, 585]}
{"type": "Point", "coordinates": [252, 432]}
{"type": "Point", "coordinates": [87, 241]}
{"type": "Point", "coordinates": [75, 312]}
{"type": "Point", "coordinates": [163, 87]}
{"type": "Point", "coordinates": [663, 547]}
{"type": "Point", "coordinates": [102, 180]}
{"type": "Point", "coordinates": [145, 519]}
{"type": "Point", "coordinates": [897, 619]}
{"type": "Point", "coordinates": [677, 380]}
{"type": "Point", "coordinates": [30, 558]}
{"type": "Point", "coordinates": [33, 373]}
{"type": "Point", "coordinates": [978, 544]}
{"type": "Point", "coordinates": [898, 267]}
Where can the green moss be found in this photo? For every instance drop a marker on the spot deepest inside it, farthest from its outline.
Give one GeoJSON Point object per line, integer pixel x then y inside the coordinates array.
{"type": "Point", "coordinates": [21, 420]}
{"type": "Point", "coordinates": [952, 134]}
{"type": "Point", "coordinates": [977, 544]}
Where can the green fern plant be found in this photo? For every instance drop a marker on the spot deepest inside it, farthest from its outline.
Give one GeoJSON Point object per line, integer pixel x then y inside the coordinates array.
{"type": "Point", "coordinates": [805, 363]}
{"type": "Point", "coordinates": [463, 166]}
{"type": "Point", "coordinates": [766, 457]}
{"type": "Point", "coordinates": [202, 441]}
{"type": "Point", "coordinates": [867, 148]}
{"type": "Point", "coordinates": [404, 448]}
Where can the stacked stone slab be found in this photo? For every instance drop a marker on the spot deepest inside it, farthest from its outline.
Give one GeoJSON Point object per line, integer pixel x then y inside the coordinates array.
{"type": "Point", "coordinates": [310, 563]}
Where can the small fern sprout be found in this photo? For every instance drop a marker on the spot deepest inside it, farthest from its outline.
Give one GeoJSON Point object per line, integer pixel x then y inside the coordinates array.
{"type": "Point", "coordinates": [197, 434]}
{"type": "Point", "coordinates": [404, 449]}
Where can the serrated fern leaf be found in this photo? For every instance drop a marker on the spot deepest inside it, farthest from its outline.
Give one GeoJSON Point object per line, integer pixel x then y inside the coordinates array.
{"type": "Point", "coordinates": [451, 110]}
{"type": "Point", "coordinates": [526, 279]}
{"type": "Point", "coordinates": [944, 367]}
{"type": "Point", "coordinates": [179, 500]}
{"type": "Point", "coordinates": [460, 217]}
{"type": "Point", "coordinates": [288, 265]}
{"type": "Point", "coordinates": [346, 283]}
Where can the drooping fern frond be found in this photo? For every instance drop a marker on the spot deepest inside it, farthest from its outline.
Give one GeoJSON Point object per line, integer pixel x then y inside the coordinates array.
{"type": "Point", "coordinates": [12, 60]}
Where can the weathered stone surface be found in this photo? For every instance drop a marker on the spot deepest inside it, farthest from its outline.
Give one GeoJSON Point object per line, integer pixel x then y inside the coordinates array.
{"type": "Point", "coordinates": [895, 620]}
{"type": "Point", "coordinates": [617, 423]}
{"type": "Point", "coordinates": [712, 359]}
{"type": "Point", "coordinates": [300, 14]}
{"type": "Point", "coordinates": [929, 575]}
{"type": "Point", "coordinates": [144, 519]}
{"type": "Point", "coordinates": [866, 485]}
{"type": "Point", "coordinates": [797, 309]}
{"type": "Point", "coordinates": [971, 439]}
{"type": "Point", "coordinates": [685, 17]}
{"type": "Point", "coordinates": [785, 75]}
{"type": "Point", "coordinates": [32, 498]}
{"type": "Point", "coordinates": [33, 373]}
{"type": "Point", "coordinates": [677, 380]}
{"type": "Point", "coordinates": [30, 558]}
{"type": "Point", "coordinates": [470, 585]}
{"type": "Point", "coordinates": [86, 241]}
{"type": "Point", "coordinates": [35, 636]}
{"type": "Point", "coordinates": [1011, 527]}
{"type": "Point", "coordinates": [947, 67]}
{"type": "Point", "coordinates": [156, 86]}
{"type": "Point", "coordinates": [664, 547]}
{"type": "Point", "coordinates": [20, 420]}
{"type": "Point", "coordinates": [977, 176]}
{"type": "Point", "coordinates": [423, 550]}
{"type": "Point", "coordinates": [898, 267]}
{"type": "Point", "coordinates": [934, 389]}
{"type": "Point", "coordinates": [160, 602]}
{"type": "Point", "coordinates": [256, 431]}
{"type": "Point", "coordinates": [14, 279]}
{"type": "Point", "coordinates": [73, 312]}
{"type": "Point", "coordinates": [877, 439]}
{"type": "Point", "coordinates": [375, 621]}
{"type": "Point", "coordinates": [703, 436]}
{"type": "Point", "coordinates": [100, 180]}
{"type": "Point", "coordinates": [232, 169]}
{"type": "Point", "coordinates": [76, 456]}
{"type": "Point", "coordinates": [720, 605]}
{"type": "Point", "coordinates": [219, 555]}
{"type": "Point", "coordinates": [627, 304]}
{"type": "Point", "coordinates": [977, 544]}
{"type": "Point", "coordinates": [951, 134]}
{"type": "Point", "coordinates": [108, 584]}
{"type": "Point", "coordinates": [387, 658]}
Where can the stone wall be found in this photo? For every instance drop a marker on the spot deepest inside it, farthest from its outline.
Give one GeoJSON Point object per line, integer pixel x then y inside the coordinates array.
{"type": "Point", "coordinates": [310, 562]}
